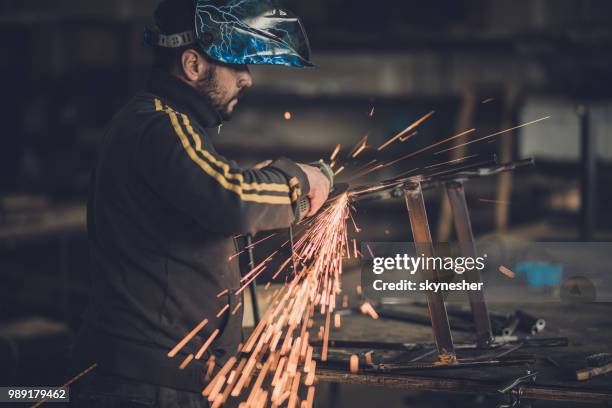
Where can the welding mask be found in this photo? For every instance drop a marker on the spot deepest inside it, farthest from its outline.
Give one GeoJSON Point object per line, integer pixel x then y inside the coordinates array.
{"type": "Point", "coordinates": [243, 32]}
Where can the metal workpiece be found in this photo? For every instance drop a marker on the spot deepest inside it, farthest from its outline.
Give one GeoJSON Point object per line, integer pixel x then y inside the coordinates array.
{"type": "Point", "coordinates": [514, 390]}
{"type": "Point", "coordinates": [465, 237]}
{"type": "Point", "coordinates": [412, 189]}
{"type": "Point", "coordinates": [528, 323]}
{"type": "Point", "coordinates": [511, 326]}
{"type": "Point", "coordinates": [393, 188]}
{"type": "Point", "coordinates": [483, 169]}
{"type": "Point", "coordinates": [435, 301]}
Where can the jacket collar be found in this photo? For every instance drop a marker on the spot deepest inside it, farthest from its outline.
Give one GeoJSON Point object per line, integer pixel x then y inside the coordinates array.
{"type": "Point", "coordinates": [183, 98]}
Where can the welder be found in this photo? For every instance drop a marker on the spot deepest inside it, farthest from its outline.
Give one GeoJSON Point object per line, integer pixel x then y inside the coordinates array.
{"type": "Point", "coordinates": [164, 206]}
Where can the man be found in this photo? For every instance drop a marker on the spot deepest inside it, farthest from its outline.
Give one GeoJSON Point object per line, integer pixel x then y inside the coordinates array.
{"type": "Point", "coordinates": [165, 206]}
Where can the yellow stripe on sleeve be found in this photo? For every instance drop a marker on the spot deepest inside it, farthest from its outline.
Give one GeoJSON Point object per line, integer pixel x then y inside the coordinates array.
{"type": "Point", "coordinates": [220, 178]}
{"type": "Point", "coordinates": [276, 187]}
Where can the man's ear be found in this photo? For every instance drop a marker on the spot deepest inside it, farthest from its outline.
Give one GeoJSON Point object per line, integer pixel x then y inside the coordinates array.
{"type": "Point", "coordinates": [194, 65]}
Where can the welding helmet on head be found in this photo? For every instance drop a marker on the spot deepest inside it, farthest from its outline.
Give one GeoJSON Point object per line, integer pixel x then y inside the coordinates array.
{"type": "Point", "coordinates": [242, 32]}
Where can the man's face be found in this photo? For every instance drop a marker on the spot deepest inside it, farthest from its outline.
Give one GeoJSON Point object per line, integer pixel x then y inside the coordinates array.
{"type": "Point", "coordinates": [223, 84]}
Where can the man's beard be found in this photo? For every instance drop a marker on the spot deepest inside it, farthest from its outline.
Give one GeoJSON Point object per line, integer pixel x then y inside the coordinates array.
{"type": "Point", "coordinates": [209, 88]}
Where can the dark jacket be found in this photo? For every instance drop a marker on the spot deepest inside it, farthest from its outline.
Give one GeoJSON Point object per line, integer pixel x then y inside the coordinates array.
{"type": "Point", "coordinates": [163, 211]}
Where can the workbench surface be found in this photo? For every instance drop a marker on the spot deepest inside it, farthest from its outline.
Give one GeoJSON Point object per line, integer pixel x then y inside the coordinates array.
{"type": "Point", "coordinates": [587, 326]}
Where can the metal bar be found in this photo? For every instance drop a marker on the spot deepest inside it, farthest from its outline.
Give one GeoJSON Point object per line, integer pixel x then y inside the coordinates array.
{"type": "Point", "coordinates": [380, 345]}
{"type": "Point", "coordinates": [253, 285]}
{"type": "Point", "coordinates": [589, 175]}
{"type": "Point", "coordinates": [465, 386]}
{"type": "Point", "coordinates": [392, 188]}
{"type": "Point", "coordinates": [398, 367]}
{"type": "Point", "coordinates": [465, 237]}
{"type": "Point", "coordinates": [422, 239]}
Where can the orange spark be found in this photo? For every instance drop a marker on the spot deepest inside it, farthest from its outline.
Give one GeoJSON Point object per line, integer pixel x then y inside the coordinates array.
{"type": "Point", "coordinates": [407, 137]}
{"type": "Point", "coordinates": [223, 309]}
{"type": "Point", "coordinates": [236, 308]}
{"type": "Point", "coordinates": [493, 134]}
{"type": "Point", "coordinates": [335, 152]}
{"type": "Point", "coordinates": [403, 132]}
{"type": "Point", "coordinates": [187, 338]}
{"type": "Point", "coordinates": [506, 271]}
{"type": "Point", "coordinates": [486, 200]}
{"type": "Point", "coordinates": [208, 342]}
{"type": "Point", "coordinates": [186, 362]}
{"type": "Point", "coordinates": [461, 159]}
{"type": "Point", "coordinates": [354, 364]}
{"type": "Point", "coordinates": [278, 346]}
{"type": "Point", "coordinates": [251, 246]}
{"type": "Point", "coordinates": [367, 309]}
{"type": "Point", "coordinates": [359, 146]}
{"type": "Point", "coordinates": [69, 382]}
{"type": "Point", "coordinates": [431, 146]}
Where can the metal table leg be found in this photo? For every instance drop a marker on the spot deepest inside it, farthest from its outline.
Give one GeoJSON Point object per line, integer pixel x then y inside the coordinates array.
{"type": "Point", "coordinates": [422, 239]}
{"type": "Point", "coordinates": [465, 237]}
{"type": "Point", "coordinates": [253, 285]}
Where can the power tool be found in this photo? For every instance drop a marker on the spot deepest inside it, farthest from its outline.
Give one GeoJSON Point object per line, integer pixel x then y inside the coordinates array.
{"type": "Point", "coordinates": [302, 207]}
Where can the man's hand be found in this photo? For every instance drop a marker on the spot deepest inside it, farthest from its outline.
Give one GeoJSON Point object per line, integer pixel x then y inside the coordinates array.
{"type": "Point", "coordinates": [319, 188]}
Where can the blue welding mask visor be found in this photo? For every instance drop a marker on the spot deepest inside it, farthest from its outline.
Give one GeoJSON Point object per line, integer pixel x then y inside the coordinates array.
{"type": "Point", "coordinates": [251, 32]}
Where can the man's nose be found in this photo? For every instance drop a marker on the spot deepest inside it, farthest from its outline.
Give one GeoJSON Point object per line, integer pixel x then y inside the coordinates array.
{"type": "Point", "coordinates": [245, 80]}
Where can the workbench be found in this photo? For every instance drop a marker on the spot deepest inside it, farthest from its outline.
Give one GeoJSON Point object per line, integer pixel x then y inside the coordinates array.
{"type": "Point", "coordinates": [587, 326]}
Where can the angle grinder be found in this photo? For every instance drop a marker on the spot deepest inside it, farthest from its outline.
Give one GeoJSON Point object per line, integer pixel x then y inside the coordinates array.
{"type": "Point", "coordinates": [302, 207]}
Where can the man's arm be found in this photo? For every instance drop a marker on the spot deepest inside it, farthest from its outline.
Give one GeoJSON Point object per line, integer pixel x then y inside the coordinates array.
{"type": "Point", "coordinates": [181, 164]}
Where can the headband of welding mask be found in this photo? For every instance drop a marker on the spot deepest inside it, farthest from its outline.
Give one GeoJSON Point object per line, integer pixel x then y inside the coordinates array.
{"type": "Point", "coordinates": [154, 38]}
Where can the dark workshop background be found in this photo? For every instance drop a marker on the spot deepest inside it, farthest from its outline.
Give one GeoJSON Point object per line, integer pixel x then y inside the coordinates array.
{"type": "Point", "coordinates": [68, 65]}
